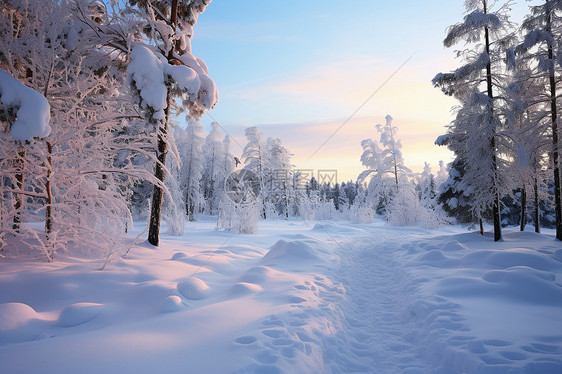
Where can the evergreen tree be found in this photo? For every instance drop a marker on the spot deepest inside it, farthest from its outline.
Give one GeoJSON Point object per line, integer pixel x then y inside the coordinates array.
{"type": "Point", "coordinates": [542, 44]}
{"type": "Point", "coordinates": [478, 84]}
{"type": "Point", "coordinates": [190, 144]}
{"type": "Point", "coordinates": [213, 170]}
{"type": "Point", "coordinates": [385, 166]}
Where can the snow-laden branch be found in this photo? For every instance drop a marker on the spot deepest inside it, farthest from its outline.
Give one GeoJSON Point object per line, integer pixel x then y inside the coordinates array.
{"type": "Point", "coordinates": [470, 29]}
{"type": "Point", "coordinates": [31, 108]}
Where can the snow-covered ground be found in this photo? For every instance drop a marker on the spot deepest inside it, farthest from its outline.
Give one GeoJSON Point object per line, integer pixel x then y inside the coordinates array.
{"type": "Point", "coordinates": [299, 297]}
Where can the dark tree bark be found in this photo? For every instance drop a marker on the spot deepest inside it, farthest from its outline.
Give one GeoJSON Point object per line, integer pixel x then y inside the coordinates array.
{"type": "Point", "coordinates": [49, 194]}
{"type": "Point", "coordinates": [554, 122]}
{"type": "Point", "coordinates": [158, 194]}
{"type": "Point", "coordinates": [18, 206]}
{"type": "Point", "coordinates": [496, 205]}
{"type": "Point", "coordinates": [536, 215]}
{"type": "Point", "coordinates": [523, 220]}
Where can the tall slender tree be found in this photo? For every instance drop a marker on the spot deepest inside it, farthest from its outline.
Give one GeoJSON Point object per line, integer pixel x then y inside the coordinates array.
{"type": "Point", "coordinates": [167, 71]}
{"type": "Point", "coordinates": [385, 165]}
{"type": "Point", "coordinates": [478, 84]}
{"type": "Point", "coordinates": [542, 44]}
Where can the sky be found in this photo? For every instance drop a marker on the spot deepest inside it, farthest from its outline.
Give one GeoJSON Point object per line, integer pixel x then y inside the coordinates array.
{"type": "Point", "coordinates": [299, 70]}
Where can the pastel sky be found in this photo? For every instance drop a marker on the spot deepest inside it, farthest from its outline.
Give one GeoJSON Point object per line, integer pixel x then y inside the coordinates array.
{"type": "Point", "coordinates": [298, 69]}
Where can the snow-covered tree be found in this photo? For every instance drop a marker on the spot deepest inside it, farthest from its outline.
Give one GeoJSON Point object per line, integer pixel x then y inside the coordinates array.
{"type": "Point", "coordinates": [25, 115]}
{"type": "Point", "coordinates": [541, 44]}
{"type": "Point", "coordinates": [75, 182]}
{"type": "Point", "coordinates": [213, 171]}
{"type": "Point", "coordinates": [156, 36]}
{"type": "Point", "coordinates": [385, 165]}
{"type": "Point", "coordinates": [255, 158]}
{"type": "Point", "coordinates": [426, 188]}
{"type": "Point", "coordinates": [279, 176]}
{"type": "Point", "coordinates": [473, 135]}
{"type": "Point", "coordinates": [225, 207]}
{"type": "Point", "coordinates": [190, 143]}
{"type": "Point", "coordinates": [442, 174]}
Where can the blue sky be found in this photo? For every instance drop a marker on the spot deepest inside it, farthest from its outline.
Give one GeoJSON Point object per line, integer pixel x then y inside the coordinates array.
{"type": "Point", "coordinates": [299, 69]}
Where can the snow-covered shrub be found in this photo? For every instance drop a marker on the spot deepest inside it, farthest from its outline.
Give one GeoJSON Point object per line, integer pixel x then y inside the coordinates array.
{"type": "Point", "coordinates": [405, 209]}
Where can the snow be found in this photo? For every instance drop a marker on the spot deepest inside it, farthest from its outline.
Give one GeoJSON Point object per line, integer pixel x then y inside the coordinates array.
{"type": "Point", "coordinates": [149, 72]}
{"type": "Point", "coordinates": [193, 289]}
{"type": "Point", "coordinates": [298, 297]}
{"type": "Point", "coordinates": [79, 313]}
{"type": "Point", "coordinates": [31, 108]}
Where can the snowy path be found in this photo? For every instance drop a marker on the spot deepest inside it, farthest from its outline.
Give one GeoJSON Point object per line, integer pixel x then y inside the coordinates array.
{"type": "Point", "coordinates": [356, 317]}
{"type": "Point", "coordinates": [378, 333]}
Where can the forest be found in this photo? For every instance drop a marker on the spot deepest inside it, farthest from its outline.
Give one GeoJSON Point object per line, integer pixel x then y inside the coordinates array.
{"type": "Point", "coordinates": [100, 112]}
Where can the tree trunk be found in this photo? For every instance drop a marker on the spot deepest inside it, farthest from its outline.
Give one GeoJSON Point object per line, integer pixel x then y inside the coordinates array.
{"type": "Point", "coordinates": [496, 204]}
{"type": "Point", "coordinates": [286, 200]}
{"type": "Point", "coordinates": [554, 121]}
{"type": "Point", "coordinates": [18, 206]}
{"type": "Point", "coordinates": [523, 220]}
{"type": "Point", "coordinates": [49, 200]}
{"type": "Point", "coordinates": [481, 226]}
{"type": "Point", "coordinates": [536, 203]}
{"type": "Point", "coordinates": [158, 194]}
{"type": "Point", "coordinates": [395, 172]}
{"type": "Point", "coordinates": [49, 193]}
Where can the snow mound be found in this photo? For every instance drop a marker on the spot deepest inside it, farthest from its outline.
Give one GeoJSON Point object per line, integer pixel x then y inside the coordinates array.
{"type": "Point", "coordinates": [454, 246]}
{"type": "Point", "coordinates": [333, 228]}
{"type": "Point", "coordinates": [243, 289]}
{"type": "Point", "coordinates": [511, 258]}
{"type": "Point", "coordinates": [20, 323]}
{"type": "Point", "coordinates": [434, 256]}
{"type": "Point", "coordinates": [171, 304]}
{"type": "Point", "coordinates": [78, 314]}
{"type": "Point", "coordinates": [526, 285]}
{"type": "Point", "coordinates": [522, 257]}
{"type": "Point", "coordinates": [291, 253]}
{"type": "Point", "coordinates": [14, 315]}
{"type": "Point", "coordinates": [558, 255]}
{"type": "Point", "coordinates": [178, 256]}
{"type": "Point", "coordinates": [257, 275]}
{"type": "Point", "coordinates": [193, 289]}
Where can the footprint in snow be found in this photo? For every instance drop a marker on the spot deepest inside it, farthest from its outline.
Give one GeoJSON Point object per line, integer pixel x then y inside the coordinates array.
{"type": "Point", "coordinates": [295, 300]}
{"type": "Point", "coordinates": [273, 333]}
{"type": "Point", "coordinates": [246, 340]}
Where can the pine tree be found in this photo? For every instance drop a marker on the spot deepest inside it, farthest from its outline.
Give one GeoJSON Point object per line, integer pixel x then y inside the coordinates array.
{"type": "Point", "coordinates": [385, 165]}
{"type": "Point", "coordinates": [190, 144]}
{"type": "Point", "coordinates": [255, 159]}
{"type": "Point", "coordinates": [542, 45]}
{"type": "Point", "coordinates": [162, 72]}
{"type": "Point", "coordinates": [213, 173]}
{"type": "Point", "coordinates": [477, 84]}
{"type": "Point", "coordinates": [281, 175]}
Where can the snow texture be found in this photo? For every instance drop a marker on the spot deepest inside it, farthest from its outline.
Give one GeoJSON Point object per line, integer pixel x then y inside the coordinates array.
{"type": "Point", "coordinates": [31, 108]}
{"type": "Point", "coordinates": [150, 71]}
{"type": "Point", "coordinates": [298, 297]}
